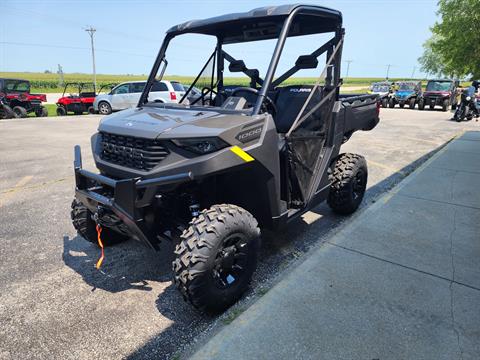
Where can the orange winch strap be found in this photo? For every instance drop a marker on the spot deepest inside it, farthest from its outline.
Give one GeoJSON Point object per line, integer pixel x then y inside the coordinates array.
{"type": "Point", "coordinates": [99, 231]}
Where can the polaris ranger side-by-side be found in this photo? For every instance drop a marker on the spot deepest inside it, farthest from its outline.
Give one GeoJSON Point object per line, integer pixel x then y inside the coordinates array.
{"type": "Point", "coordinates": [439, 92]}
{"type": "Point", "coordinates": [17, 95]}
{"type": "Point", "coordinates": [406, 92]}
{"type": "Point", "coordinates": [210, 174]}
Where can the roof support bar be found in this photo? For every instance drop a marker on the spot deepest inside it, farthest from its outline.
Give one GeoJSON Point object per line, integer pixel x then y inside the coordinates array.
{"type": "Point", "coordinates": [295, 68]}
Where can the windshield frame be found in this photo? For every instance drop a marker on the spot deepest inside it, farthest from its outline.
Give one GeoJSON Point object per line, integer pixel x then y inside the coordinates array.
{"type": "Point", "coordinates": [333, 79]}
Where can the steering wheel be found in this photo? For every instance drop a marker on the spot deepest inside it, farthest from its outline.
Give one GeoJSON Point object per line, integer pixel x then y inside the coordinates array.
{"type": "Point", "coordinates": [268, 104]}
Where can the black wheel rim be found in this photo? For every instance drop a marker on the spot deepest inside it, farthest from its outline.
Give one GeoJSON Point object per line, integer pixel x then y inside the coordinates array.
{"type": "Point", "coordinates": [358, 185]}
{"type": "Point", "coordinates": [231, 261]}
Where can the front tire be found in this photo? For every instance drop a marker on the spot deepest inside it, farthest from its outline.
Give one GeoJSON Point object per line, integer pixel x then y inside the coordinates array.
{"type": "Point", "coordinates": [421, 104]}
{"type": "Point", "coordinates": [384, 102]}
{"type": "Point", "coordinates": [61, 111]}
{"type": "Point", "coordinates": [104, 108]}
{"type": "Point", "coordinates": [217, 257]}
{"type": "Point", "coordinates": [348, 183]}
{"type": "Point", "coordinates": [411, 104]}
{"type": "Point", "coordinates": [445, 105]}
{"type": "Point", "coordinates": [82, 222]}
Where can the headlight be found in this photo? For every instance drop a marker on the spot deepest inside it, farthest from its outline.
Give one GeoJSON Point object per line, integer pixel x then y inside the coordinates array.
{"type": "Point", "coordinates": [469, 98]}
{"type": "Point", "coordinates": [201, 145]}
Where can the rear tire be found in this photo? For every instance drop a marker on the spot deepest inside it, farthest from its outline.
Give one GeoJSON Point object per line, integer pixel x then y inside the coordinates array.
{"type": "Point", "coordinates": [91, 110]}
{"type": "Point", "coordinates": [104, 108]}
{"type": "Point", "coordinates": [432, 106]}
{"type": "Point", "coordinates": [41, 112]}
{"type": "Point", "coordinates": [20, 111]}
{"type": "Point", "coordinates": [82, 222]}
{"type": "Point", "coordinates": [384, 102]}
{"type": "Point", "coordinates": [391, 103]}
{"type": "Point", "coordinates": [402, 105]}
{"type": "Point", "coordinates": [348, 183]}
{"type": "Point", "coordinates": [217, 257]}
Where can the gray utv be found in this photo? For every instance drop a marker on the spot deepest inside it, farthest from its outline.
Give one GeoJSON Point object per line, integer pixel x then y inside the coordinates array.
{"type": "Point", "coordinates": [210, 174]}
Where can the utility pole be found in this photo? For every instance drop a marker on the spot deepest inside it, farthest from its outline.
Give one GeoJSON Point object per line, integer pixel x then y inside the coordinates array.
{"type": "Point", "coordinates": [348, 66]}
{"type": "Point", "coordinates": [388, 70]}
{"type": "Point", "coordinates": [60, 74]}
{"type": "Point", "coordinates": [413, 72]}
{"type": "Point", "coordinates": [91, 32]}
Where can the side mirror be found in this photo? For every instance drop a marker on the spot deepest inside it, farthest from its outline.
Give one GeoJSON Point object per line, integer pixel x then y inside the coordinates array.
{"type": "Point", "coordinates": [237, 66]}
{"type": "Point", "coordinates": [306, 62]}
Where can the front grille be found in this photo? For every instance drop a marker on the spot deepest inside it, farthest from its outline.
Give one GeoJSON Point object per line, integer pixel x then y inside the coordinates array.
{"type": "Point", "coordinates": [132, 152]}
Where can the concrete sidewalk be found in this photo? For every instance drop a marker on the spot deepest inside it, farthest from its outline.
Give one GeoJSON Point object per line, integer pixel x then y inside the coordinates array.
{"type": "Point", "coordinates": [400, 281]}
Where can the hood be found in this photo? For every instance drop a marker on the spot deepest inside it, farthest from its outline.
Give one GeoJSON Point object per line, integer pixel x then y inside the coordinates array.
{"type": "Point", "coordinates": [443, 93]}
{"type": "Point", "coordinates": [151, 123]}
{"type": "Point", "coordinates": [404, 93]}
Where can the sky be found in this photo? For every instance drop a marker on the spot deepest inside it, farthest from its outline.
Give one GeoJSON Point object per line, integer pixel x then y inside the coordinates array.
{"type": "Point", "coordinates": [36, 35]}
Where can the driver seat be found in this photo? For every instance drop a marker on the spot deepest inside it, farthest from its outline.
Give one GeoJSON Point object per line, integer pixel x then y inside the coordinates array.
{"type": "Point", "coordinates": [289, 102]}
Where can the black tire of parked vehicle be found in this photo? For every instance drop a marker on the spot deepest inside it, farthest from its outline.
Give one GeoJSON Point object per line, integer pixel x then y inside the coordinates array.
{"type": "Point", "coordinates": [217, 257]}
{"type": "Point", "coordinates": [432, 106]}
{"type": "Point", "coordinates": [6, 112]}
{"type": "Point", "coordinates": [445, 104]}
{"type": "Point", "coordinates": [402, 105]}
{"type": "Point", "coordinates": [348, 179]}
{"type": "Point", "coordinates": [82, 222]}
{"type": "Point", "coordinates": [421, 104]}
{"type": "Point", "coordinates": [462, 111]}
{"type": "Point", "coordinates": [384, 102]}
{"type": "Point", "coordinates": [104, 108]}
{"type": "Point", "coordinates": [391, 103]}
{"type": "Point", "coordinates": [41, 112]}
{"type": "Point", "coordinates": [411, 103]}
{"type": "Point", "coordinates": [20, 111]}
{"type": "Point", "coordinates": [61, 111]}
{"type": "Point", "coordinates": [91, 110]}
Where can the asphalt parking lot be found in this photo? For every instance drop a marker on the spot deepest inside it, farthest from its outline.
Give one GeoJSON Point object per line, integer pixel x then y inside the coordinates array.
{"type": "Point", "coordinates": [55, 304]}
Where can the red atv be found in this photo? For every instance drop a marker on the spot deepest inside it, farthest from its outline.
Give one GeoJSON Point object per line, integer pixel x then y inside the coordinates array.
{"type": "Point", "coordinates": [18, 97]}
{"type": "Point", "coordinates": [78, 103]}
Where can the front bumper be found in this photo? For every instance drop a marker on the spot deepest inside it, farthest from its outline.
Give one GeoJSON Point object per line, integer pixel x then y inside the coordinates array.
{"type": "Point", "coordinates": [435, 100]}
{"type": "Point", "coordinates": [128, 197]}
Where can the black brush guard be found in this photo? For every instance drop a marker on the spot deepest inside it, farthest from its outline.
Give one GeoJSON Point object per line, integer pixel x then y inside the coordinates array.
{"type": "Point", "coordinates": [129, 196]}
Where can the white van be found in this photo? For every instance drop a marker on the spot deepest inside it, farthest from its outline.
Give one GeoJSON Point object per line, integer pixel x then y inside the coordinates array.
{"type": "Point", "coordinates": [127, 95]}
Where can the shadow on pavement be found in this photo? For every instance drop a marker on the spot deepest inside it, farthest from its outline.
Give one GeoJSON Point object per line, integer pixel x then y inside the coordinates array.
{"type": "Point", "coordinates": [131, 266]}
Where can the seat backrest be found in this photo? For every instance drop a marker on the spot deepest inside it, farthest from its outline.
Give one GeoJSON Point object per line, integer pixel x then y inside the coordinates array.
{"type": "Point", "coordinates": [289, 102]}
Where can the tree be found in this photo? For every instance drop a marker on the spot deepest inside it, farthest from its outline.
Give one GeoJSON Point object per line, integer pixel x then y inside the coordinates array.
{"type": "Point", "coordinates": [454, 48]}
{"type": "Point", "coordinates": [432, 62]}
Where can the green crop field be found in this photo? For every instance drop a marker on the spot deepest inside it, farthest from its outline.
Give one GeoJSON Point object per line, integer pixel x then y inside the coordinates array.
{"type": "Point", "coordinates": [49, 83]}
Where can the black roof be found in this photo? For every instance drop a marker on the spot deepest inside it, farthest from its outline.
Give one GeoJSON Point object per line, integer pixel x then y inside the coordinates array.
{"type": "Point", "coordinates": [264, 23]}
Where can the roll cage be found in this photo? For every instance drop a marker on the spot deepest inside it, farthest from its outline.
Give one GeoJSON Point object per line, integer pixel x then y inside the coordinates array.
{"type": "Point", "coordinates": [278, 22]}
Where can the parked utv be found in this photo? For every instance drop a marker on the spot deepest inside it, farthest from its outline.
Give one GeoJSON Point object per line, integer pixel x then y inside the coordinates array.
{"type": "Point", "coordinates": [439, 93]}
{"type": "Point", "coordinates": [383, 90]}
{"type": "Point", "coordinates": [406, 92]}
{"type": "Point", "coordinates": [209, 177]}
{"type": "Point", "coordinates": [18, 97]}
{"type": "Point", "coordinates": [78, 103]}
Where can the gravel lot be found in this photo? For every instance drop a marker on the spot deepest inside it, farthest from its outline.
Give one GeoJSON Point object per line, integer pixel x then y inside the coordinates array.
{"type": "Point", "coordinates": [53, 302]}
